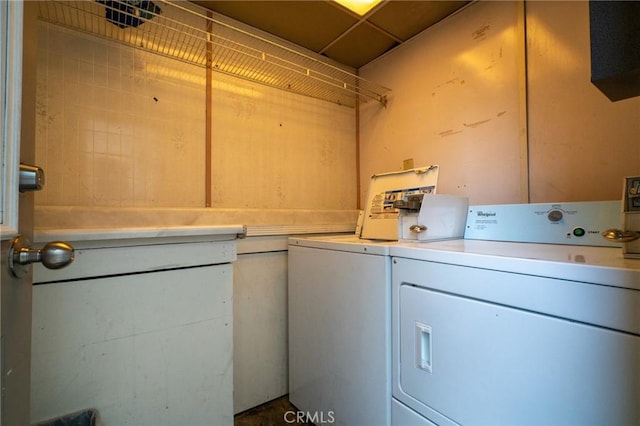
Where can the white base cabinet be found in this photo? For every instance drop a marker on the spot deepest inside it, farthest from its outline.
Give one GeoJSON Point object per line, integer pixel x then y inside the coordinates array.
{"type": "Point", "coordinates": [260, 358]}
{"type": "Point", "coordinates": [149, 348]}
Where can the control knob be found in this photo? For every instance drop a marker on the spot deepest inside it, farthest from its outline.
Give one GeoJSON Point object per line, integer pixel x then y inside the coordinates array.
{"type": "Point", "coordinates": [555, 215]}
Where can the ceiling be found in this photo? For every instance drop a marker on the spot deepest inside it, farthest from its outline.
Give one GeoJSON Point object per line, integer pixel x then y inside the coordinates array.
{"type": "Point", "coordinates": [331, 30]}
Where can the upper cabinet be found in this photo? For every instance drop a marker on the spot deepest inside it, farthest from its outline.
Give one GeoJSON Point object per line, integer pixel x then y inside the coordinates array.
{"type": "Point", "coordinates": [615, 48]}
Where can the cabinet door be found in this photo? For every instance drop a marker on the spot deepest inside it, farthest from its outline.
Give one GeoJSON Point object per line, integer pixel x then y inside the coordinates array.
{"type": "Point", "coordinates": [482, 363]}
{"type": "Point", "coordinates": [339, 335]}
{"type": "Point", "coordinates": [147, 349]}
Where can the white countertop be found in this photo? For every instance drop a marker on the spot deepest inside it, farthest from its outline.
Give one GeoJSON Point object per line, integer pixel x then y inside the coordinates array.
{"type": "Point", "coordinates": [109, 234]}
{"type": "Point", "coordinates": [108, 252]}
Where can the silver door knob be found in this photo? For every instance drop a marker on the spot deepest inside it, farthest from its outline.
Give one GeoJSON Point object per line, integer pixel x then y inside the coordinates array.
{"type": "Point", "coordinates": [621, 236]}
{"type": "Point", "coordinates": [53, 255]}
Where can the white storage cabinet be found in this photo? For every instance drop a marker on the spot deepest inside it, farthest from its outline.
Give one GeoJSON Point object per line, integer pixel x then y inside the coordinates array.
{"type": "Point", "coordinates": [139, 329]}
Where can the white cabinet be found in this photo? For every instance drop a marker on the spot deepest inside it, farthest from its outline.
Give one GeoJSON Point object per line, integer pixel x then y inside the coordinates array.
{"type": "Point", "coordinates": [339, 335]}
{"type": "Point", "coordinates": [151, 345]}
{"type": "Point", "coordinates": [260, 327]}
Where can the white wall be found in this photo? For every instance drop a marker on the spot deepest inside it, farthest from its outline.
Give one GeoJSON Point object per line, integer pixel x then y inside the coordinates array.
{"type": "Point", "coordinates": [119, 127]}
{"type": "Point", "coordinates": [580, 145]}
{"type": "Point", "coordinates": [273, 149]}
{"type": "Point", "coordinates": [455, 102]}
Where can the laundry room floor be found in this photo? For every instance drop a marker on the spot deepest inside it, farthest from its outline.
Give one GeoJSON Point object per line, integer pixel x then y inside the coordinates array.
{"type": "Point", "coordinates": [273, 413]}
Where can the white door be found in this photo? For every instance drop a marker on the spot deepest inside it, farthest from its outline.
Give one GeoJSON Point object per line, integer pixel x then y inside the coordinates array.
{"type": "Point", "coordinates": [18, 49]}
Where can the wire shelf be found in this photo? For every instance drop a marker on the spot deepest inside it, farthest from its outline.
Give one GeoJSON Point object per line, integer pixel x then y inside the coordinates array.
{"type": "Point", "coordinates": [181, 31]}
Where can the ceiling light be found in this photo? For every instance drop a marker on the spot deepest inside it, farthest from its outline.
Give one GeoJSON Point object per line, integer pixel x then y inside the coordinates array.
{"type": "Point", "coordinates": [360, 7]}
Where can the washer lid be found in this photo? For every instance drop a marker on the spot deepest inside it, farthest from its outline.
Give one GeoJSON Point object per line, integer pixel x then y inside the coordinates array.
{"type": "Point", "coordinates": [380, 220]}
{"type": "Point", "coordinates": [350, 243]}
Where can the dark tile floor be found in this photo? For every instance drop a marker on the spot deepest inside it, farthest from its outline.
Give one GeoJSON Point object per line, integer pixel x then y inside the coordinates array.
{"type": "Point", "coordinates": [278, 412]}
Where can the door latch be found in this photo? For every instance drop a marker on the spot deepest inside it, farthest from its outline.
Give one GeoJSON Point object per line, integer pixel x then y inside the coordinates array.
{"type": "Point", "coordinates": [31, 178]}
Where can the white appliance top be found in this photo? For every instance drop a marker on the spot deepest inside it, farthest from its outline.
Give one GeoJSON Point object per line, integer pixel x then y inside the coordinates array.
{"type": "Point", "coordinates": [344, 242]}
{"type": "Point", "coordinates": [597, 265]}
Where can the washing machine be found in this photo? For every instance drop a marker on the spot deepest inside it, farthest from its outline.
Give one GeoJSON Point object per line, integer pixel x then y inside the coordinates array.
{"type": "Point", "coordinates": [493, 329]}
{"type": "Point", "coordinates": [340, 329]}
{"type": "Point", "coordinates": [339, 307]}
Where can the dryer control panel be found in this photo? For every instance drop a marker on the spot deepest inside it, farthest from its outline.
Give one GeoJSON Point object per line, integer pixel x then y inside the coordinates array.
{"type": "Point", "coordinates": [574, 223]}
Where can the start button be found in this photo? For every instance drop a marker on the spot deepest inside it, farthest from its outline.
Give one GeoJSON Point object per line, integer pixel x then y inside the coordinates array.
{"type": "Point", "coordinates": [579, 232]}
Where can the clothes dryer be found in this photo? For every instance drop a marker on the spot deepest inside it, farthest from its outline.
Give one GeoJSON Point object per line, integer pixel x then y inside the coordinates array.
{"type": "Point", "coordinates": [493, 332]}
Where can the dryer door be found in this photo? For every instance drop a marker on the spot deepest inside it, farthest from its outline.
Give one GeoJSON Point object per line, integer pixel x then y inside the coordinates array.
{"type": "Point", "coordinates": [475, 362]}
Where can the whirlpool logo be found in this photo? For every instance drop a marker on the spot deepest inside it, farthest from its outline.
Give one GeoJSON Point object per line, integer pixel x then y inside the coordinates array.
{"type": "Point", "coordinates": [480, 213]}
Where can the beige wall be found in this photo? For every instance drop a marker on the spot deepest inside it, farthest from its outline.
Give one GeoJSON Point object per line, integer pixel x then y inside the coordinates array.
{"type": "Point", "coordinates": [455, 102]}
{"type": "Point", "coordinates": [119, 127]}
{"type": "Point", "coordinates": [273, 149]}
{"type": "Point", "coordinates": [580, 145]}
